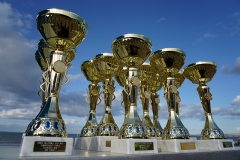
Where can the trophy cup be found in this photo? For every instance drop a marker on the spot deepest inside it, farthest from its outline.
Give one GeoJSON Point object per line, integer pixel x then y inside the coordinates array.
{"type": "Point", "coordinates": [179, 79]}
{"type": "Point", "coordinates": [120, 78]}
{"type": "Point", "coordinates": [132, 50]}
{"type": "Point", "coordinates": [107, 65]}
{"type": "Point", "coordinates": [170, 60]}
{"type": "Point", "coordinates": [200, 73]}
{"type": "Point", "coordinates": [63, 31]}
{"type": "Point", "coordinates": [155, 85]}
{"type": "Point", "coordinates": [92, 75]}
{"type": "Point", "coordinates": [145, 73]}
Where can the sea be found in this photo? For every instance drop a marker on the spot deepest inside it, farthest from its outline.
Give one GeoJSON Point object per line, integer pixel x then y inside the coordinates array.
{"type": "Point", "coordinates": [15, 138]}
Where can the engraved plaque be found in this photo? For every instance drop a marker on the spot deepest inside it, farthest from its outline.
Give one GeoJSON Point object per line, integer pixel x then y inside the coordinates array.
{"type": "Point", "coordinates": [42, 146]}
{"type": "Point", "coordinates": [187, 146]}
{"type": "Point", "coordinates": [227, 144]}
{"type": "Point", "coordinates": [143, 146]}
{"type": "Point", "coordinates": [108, 143]}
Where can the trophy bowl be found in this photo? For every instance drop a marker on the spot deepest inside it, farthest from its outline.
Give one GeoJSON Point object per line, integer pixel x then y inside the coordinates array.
{"type": "Point", "coordinates": [44, 49]}
{"type": "Point", "coordinates": [106, 64]}
{"type": "Point", "coordinates": [90, 72]}
{"type": "Point", "coordinates": [120, 77]}
{"type": "Point", "coordinates": [41, 62]}
{"type": "Point", "coordinates": [179, 77]}
{"type": "Point", "coordinates": [200, 72]}
{"type": "Point", "coordinates": [61, 28]}
{"type": "Point", "coordinates": [132, 49]}
{"type": "Point", "coordinates": [169, 60]}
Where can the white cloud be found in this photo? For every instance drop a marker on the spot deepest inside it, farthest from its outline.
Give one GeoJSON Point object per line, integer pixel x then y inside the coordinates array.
{"type": "Point", "coordinates": [73, 77]}
{"type": "Point", "coordinates": [234, 70]}
{"type": "Point", "coordinates": [161, 19]}
{"type": "Point", "coordinates": [207, 35]}
{"type": "Point", "coordinates": [238, 128]}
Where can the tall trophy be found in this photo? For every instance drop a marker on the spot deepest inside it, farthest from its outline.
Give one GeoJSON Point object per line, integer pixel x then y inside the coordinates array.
{"type": "Point", "coordinates": [179, 78]}
{"type": "Point", "coordinates": [170, 61]}
{"type": "Point", "coordinates": [132, 50]}
{"type": "Point", "coordinates": [200, 73]}
{"type": "Point", "coordinates": [145, 73]}
{"type": "Point", "coordinates": [107, 65]}
{"type": "Point", "coordinates": [93, 95]}
{"type": "Point", "coordinates": [62, 31]}
{"type": "Point", "coordinates": [120, 78]}
{"type": "Point", "coordinates": [155, 85]}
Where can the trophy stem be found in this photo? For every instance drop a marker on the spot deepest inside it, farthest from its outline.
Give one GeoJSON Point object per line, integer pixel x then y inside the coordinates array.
{"type": "Point", "coordinates": [155, 102]}
{"type": "Point", "coordinates": [107, 126]}
{"type": "Point", "coordinates": [174, 128]}
{"type": "Point", "coordinates": [146, 120]}
{"type": "Point", "coordinates": [132, 127]}
{"type": "Point", "coordinates": [90, 127]}
{"type": "Point", "coordinates": [210, 130]}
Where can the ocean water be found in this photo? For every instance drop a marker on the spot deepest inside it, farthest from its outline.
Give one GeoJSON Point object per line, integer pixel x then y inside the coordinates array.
{"type": "Point", "coordinates": [15, 138]}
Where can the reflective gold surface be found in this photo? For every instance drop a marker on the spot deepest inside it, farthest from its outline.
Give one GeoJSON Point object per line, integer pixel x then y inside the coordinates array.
{"type": "Point", "coordinates": [132, 49]}
{"type": "Point", "coordinates": [169, 61]}
{"type": "Point", "coordinates": [201, 73]}
{"type": "Point", "coordinates": [93, 96]}
{"type": "Point", "coordinates": [146, 71]}
{"type": "Point", "coordinates": [61, 29]}
{"type": "Point", "coordinates": [179, 78]}
{"type": "Point", "coordinates": [108, 66]}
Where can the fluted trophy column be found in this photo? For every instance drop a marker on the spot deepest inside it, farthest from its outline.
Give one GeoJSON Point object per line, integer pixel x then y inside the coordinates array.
{"type": "Point", "coordinates": [62, 31]}
{"type": "Point", "coordinates": [200, 73]}
{"type": "Point", "coordinates": [170, 61]}
{"type": "Point", "coordinates": [108, 66]}
{"type": "Point", "coordinates": [132, 50]}
{"type": "Point", "coordinates": [155, 85]}
{"type": "Point", "coordinates": [93, 97]}
{"type": "Point", "coordinates": [145, 74]}
{"type": "Point", "coordinates": [179, 78]}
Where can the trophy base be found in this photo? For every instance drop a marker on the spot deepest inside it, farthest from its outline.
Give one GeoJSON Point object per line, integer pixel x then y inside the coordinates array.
{"type": "Point", "coordinates": [175, 132]}
{"type": "Point", "coordinates": [96, 143]}
{"type": "Point", "coordinates": [132, 131]}
{"type": "Point", "coordinates": [45, 146]}
{"type": "Point", "coordinates": [107, 129]}
{"type": "Point", "coordinates": [208, 134]}
{"type": "Point", "coordinates": [178, 145]}
{"type": "Point", "coordinates": [134, 146]}
{"type": "Point", "coordinates": [88, 131]}
{"type": "Point", "coordinates": [215, 144]}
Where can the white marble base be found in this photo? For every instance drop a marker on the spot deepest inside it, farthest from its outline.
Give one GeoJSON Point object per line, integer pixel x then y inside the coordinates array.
{"type": "Point", "coordinates": [157, 138]}
{"type": "Point", "coordinates": [96, 143]}
{"type": "Point", "coordinates": [128, 146]}
{"type": "Point", "coordinates": [178, 145]}
{"type": "Point", "coordinates": [46, 146]}
{"type": "Point", "coordinates": [216, 144]}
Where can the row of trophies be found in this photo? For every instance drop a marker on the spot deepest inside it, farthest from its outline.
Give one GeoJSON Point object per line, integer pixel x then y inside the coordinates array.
{"type": "Point", "coordinates": [62, 31]}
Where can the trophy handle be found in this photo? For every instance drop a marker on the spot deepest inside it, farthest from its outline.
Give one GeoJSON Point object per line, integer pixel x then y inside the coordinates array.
{"type": "Point", "coordinates": [67, 80]}
{"type": "Point", "coordinates": [99, 101]}
{"type": "Point", "coordinates": [44, 77]}
{"type": "Point", "coordinates": [114, 96]}
{"type": "Point", "coordinates": [39, 93]}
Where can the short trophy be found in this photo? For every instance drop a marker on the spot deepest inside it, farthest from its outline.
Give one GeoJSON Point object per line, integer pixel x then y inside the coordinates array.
{"type": "Point", "coordinates": [170, 61]}
{"type": "Point", "coordinates": [93, 98]}
{"type": "Point", "coordinates": [107, 65]}
{"type": "Point", "coordinates": [200, 73]}
{"type": "Point", "coordinates": [132, 50]}
{"type": "Point", "coordinates": [120, 78]}
{"type": "Point", "coordinates": [179, 78]}
{"type": "Point", "coordinates": [145, 73]}
{"type": "Point", "coordinates": [62, 31]}
{"type": "Point", "coordinates": [155, 85]}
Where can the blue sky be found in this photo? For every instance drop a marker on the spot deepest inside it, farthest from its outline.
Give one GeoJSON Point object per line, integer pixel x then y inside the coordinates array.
{"type": "Point", "coordinates": [205, 30]}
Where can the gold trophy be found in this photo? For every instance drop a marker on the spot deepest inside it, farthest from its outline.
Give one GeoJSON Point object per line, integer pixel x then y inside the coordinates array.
{"type": "Point", "coordinates": [120, 78]}
{"type": "Point", "coordinates": [179, 78]}
{"type": "Point", "coordinates": [170, 60]}
{"type": "Point", "coordinates": [92, 75]}
{"type": "Point", "coordinates": [132, 50]}
{"type": "Point", "coordinates": [107, 65]}
{"type": "Point", "coordinates": [62, 31]}
{"type": "Point", "coordinates": [200, 73]}
{"type": "Point", "coordinates": [145, 73]}
{"type": "Point", "coordinates": [155, 85]}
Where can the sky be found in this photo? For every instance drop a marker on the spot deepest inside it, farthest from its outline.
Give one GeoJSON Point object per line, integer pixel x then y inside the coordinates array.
{"type": "Point", "coordinates": [205, 30]}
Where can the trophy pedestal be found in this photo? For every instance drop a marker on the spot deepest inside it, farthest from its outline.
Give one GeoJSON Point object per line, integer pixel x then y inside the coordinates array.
{"type": "Point", "coordinates": [96, 143]}
{"type": "Point", "coordinates": [157, 138]}
{"type": "Point", "coordinates": [216, 144]}
{"type": "Point", "coordinates": [178, 145]}
{"type": "Point", "coordinates": [46, 146]}
{"type": "Point", "coordinates": [134, 146]}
